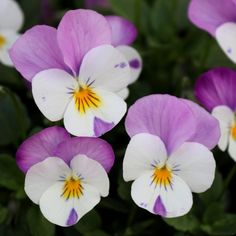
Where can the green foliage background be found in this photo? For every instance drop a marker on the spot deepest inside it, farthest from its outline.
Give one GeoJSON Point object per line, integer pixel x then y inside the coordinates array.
{"type": "Point", "coordinates": [174, 53]}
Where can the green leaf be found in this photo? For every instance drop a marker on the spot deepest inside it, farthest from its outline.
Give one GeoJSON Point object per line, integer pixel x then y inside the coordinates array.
{"type": "Point", "coordinates": [113, 204]}
{"type": "Point", "coordinates": [186, 223]}
{"type": "Point", "coordinates": [89, 222]}
{"type": "Point", "coordinates": [14, 120]}
{"type": "Point", "coordinates": [3, 214]}
{"type": "Point", "coordinates": [10, 175]}
{"type": "Point", "coordinates": [214, 212]}
{"type": "Point", "coordinates": [123, 188]}
{"type": "Point", "coordinates": [37, 224]}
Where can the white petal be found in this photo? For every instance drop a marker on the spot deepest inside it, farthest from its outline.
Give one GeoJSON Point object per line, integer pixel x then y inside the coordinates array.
{"type": "Point", "coordinates": [144, 152]}
{"type": "Point", "coordinates": [11, 15]}
{"type": "Point", "coordinates": [43, 175]}
{"type": "Point", "coordinates": [92, 173]}
{"type": "Point", "coordinates": [195, 164]}
{"type": "Point", "coordinates": [124, 93]}
{"type": "Point", "coordinates": [225, 36]}
{"type": "Point", "coordinates": [134, 59]}
{"type": "Point", "coordinates": [10, 37]}
{"type": "Point", "coordinates": [232, 147]}
{"type": "Point", "coordinates": [95, 121]}
{"type": "Point", "coordinates": [105, 67]}
{"type": "Point", "coordinates": [173, 201]}
{"type": "Point", "coordinates": [52, 92]}
{"type": "Point", "coordinates": [67, 212]}
{"type": "Point", "coordinates": [225, 116]}
{"type": "Point", "coordinates": [177, 200]}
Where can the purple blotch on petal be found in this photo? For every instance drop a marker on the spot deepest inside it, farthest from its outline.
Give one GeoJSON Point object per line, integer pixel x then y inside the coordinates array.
{"type": "Point", "coordinates": [135, 64]}
{"type": "Point", "coordinates": [72, 219]}
{"type": "Point", "coordinates": [101, 127]}
{"type": "Point", "coordinates": [159, 208]}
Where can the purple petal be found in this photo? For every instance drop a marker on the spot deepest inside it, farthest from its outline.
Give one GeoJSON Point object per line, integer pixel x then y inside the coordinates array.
{"type": "Point", "coordinates": [36, 50]}
{"type": "Point", "coordinates": [72, 219]}
{"type": "Point", "coordinates": [217, 87]}
{"type": "Point", "coordinates": [79, 31]}
{"type": "Point", "coordinates": [208, 130]}
{"type": "Point", "coordinates": [40, 146]}
{"type": "Point", "coordinates": [163, 115]}
{"type": "Point", "coordinates": [94, 148]}
{"type": "Point", "coordinates": [101, 127]}
{"type": "Point", "coordinates": [159, 208]}
{"type": "Point", "coordinates": [135, 63]}
{"type": "Point", "coordinates": [124, 32]}
{"type": "Point", "coordinates": [210, 14]}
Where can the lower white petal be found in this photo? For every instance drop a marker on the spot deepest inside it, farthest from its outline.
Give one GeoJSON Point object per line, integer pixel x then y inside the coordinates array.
{"type": "Point", "coordinates": [52, 91]}
{"type": "Point", "coordinates": [134, 59]}
{"type": "Point", "coordinates": [43, 175]}
{"type": "Point", "coordinates": [124, 93]}
{"type": "Point", "coordinates": [67, 212]}
{"type": "Point", "coordinates": [232, 148]}
{"type": "Point", "coordinates": [225, 36]}
{"type": "Point", "coordinates": [143, 154]}
{"type": "Point", "coordinates": [195, 164]}
{"type": "Point", "coordinates": [225, 116]}
{"type": "Point", "coordinates": [92, 173]}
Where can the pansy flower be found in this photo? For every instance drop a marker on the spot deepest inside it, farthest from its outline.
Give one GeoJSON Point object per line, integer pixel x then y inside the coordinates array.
{"type": "Point", "coordinates": [215, 90]}
{"type": "Point", "coordinates": [75, 71]}
{"type": "Point", "coordinates": [218, 17]}
{"type": "Point", "coordinates": [168, 156]}
{"type": "Point", "coordinates": [11, 21]}
{"type": "Point", "coordinates": [65, 176]}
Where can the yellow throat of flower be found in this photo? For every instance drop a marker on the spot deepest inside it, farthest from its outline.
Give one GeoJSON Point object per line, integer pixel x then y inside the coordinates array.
{"type": "Point", "coordinates": [72, 188]}
{"type": "Point", "coordinates": [86, 98]}
{"type": "Point", "coordinates": [2, 41]}
{"type": "Point", "coordinates": [233, 130]}
{"type": "Point", "coordinates": [162, 176]}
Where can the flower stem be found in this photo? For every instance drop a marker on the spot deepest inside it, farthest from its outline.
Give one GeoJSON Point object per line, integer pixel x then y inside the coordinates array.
{"type": "Point", "coordinates": [229, 177]}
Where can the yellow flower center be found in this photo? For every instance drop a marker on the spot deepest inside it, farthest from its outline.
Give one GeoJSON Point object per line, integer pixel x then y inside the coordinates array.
{"type": "Point", "coordinates": [2, 41]}
{"type": "Point", "coordinates": [72, 188]}
{"type": "Point", "coordinates": [162, 176]}
{"type": "Point", "coordinates": [233, 130]}
{"type": "Point", "coordinates": [85, 99]}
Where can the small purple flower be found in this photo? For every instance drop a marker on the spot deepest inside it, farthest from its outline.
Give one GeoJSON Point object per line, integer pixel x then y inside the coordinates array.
{"type": "Point", "coordinates": [218, 17]}
{"type": "Point", "coordinates": [65, 176]}
{"type": "Point", "coordinates": [215, 90]}
{"type": "Point", "coordinates": [73, 69]}
{"type": "Point", "coordinates": [168, 156]}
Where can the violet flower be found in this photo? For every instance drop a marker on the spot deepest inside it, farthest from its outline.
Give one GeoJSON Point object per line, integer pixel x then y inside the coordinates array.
{"type": "Point", "coordinates": [65, 176]}
{"type": "Point", "coordinates": [75, 71]}
{"type": "Point", "coordinates": [218, 17]}
{"type": "Point", "coordinates": [168, 155]}
{"type": "Point", "coordinates": [215, 90]}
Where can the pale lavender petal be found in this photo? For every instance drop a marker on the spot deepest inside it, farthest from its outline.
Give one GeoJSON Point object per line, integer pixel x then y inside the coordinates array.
{"type": "Point", "coordinates": [37, 50]}
{"type": "Point", "coordinates": [96, 3]}
{"type": "Point", "coordinates": [94, 148]}
{"type": "Point", "coordinates": [163, 115]}
{"type": "Point", "coordinates": [208, 130]}
{"type": "Point", "coordinates": [124, 32]}
{"type": "Point", "coordinates": [159, 208]}
{"type": "Point", "coordinates": [79, 31]}
{"type": "Point", "coordinates": [40, 146]}
{"type": "Point", "coordinates": [217, 87]}
{"type": "Point", "coordinates": [101, 127]}
{"type": "Point", "coordinates": [210, 14]}
{"type": "Point", "coordinates": [72, 219]}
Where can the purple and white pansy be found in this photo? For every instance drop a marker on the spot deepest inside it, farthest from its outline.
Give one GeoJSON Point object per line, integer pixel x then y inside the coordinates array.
{"type": "Point", "coordinates": [76, 72]}
{"type": "Point", "coordinates": [65, 176]}
{"type": "Point", "coordinates": [11, 21]}
{"type": "Point", "coordinates": [218, 17]}
{"type": "Point", "coordinates": [168, 156]}
{"type": "Point", "coordinates": [215, 90]}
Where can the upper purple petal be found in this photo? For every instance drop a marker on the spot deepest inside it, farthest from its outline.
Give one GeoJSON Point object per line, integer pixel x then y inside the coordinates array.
{"type": "Point", "coordinates": [163, 115]}
{"type": "Point", "coordinates": [210, 14]}
{"type": "Point", "coordinates": [94, 148]}
{"type": "Point", "coordinates": [217, 87]}
{"type": "Point", "coordinates": [36, 50]}
{"type": "Point", "coordinates": [207, 126]}
{"type": "Point", "coordinates": [40, 146]}
{"type": "Point", "coordinates": [78, 32]}
{"type": "Point", "coordinates": [124, 32]}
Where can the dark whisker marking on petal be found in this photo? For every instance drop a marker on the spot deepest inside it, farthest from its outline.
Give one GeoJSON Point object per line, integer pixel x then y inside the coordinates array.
{"type": "Point", "coordinates": [90, 83]}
